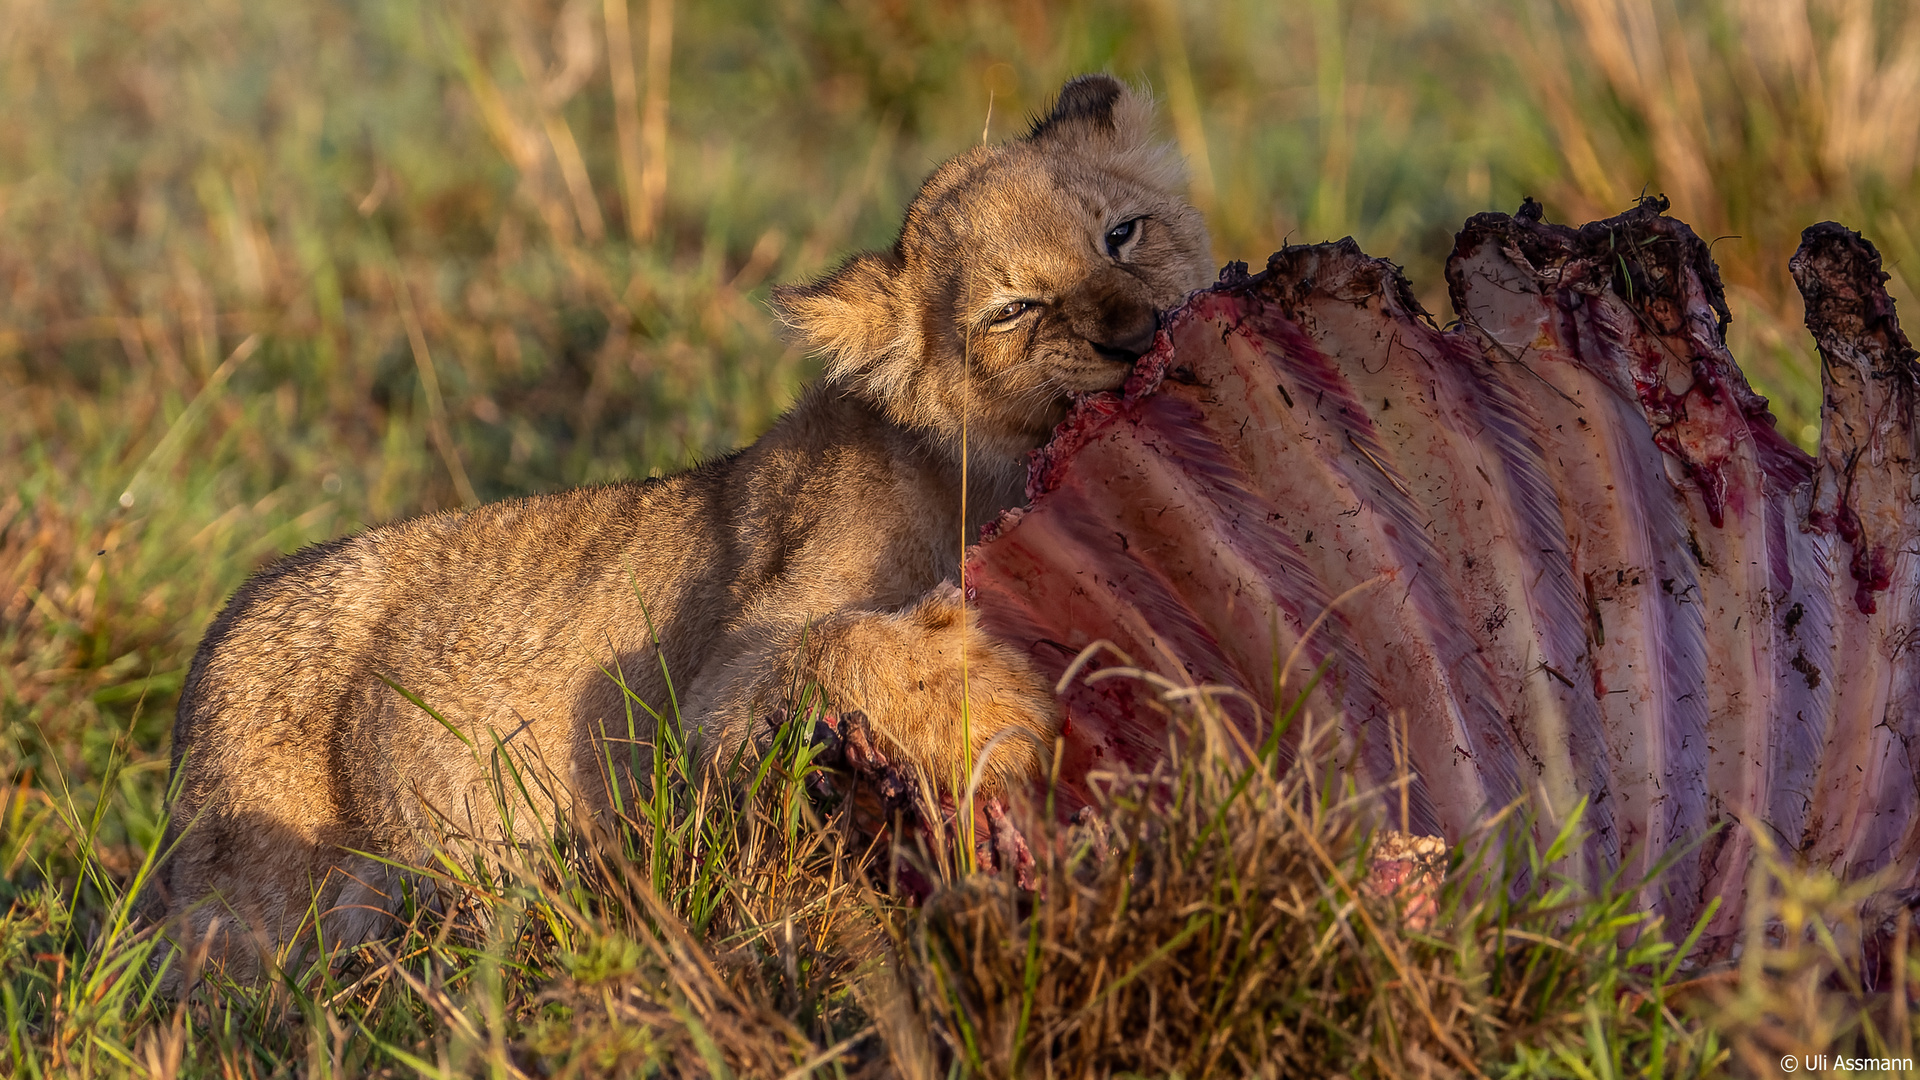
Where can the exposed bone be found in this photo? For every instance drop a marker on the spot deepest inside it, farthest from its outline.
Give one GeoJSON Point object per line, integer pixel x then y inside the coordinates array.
{"type": "Point", "coordinates": [1561, 549]}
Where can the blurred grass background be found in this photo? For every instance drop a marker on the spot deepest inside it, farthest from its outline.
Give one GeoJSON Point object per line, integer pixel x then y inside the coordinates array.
{"type": "Point", "coordinates": [270, 272]}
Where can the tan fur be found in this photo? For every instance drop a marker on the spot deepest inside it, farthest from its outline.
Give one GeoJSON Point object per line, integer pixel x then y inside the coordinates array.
{"type": "Point", "coordinates": [818, 553]}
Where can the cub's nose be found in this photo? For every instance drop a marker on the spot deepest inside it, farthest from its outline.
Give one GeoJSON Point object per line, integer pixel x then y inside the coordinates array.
{"type": "Point", "coordinates": [1127, 340]}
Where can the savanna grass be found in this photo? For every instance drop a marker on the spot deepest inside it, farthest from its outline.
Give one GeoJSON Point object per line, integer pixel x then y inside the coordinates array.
{"type": "Point", "coordinates": [1213, 917]}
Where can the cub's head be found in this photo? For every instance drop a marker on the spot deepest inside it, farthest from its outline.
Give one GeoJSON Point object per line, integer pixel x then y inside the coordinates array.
{"type": "Point", "coordinates": [1024, 273]}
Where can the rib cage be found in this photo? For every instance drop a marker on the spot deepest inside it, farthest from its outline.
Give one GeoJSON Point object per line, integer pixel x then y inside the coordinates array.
{"type": "Point", "coordinates": [1597, 569]}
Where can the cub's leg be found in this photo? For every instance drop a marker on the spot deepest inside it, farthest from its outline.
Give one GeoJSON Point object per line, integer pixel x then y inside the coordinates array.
{"type": "Point", "coordinates": [261, 835]}
{"type": "Point", "coordinates": [260, 850]}
{"type": "Point", "coordinates": [910, 672]}
{"type": "Point", "coordinates": [242, 896]}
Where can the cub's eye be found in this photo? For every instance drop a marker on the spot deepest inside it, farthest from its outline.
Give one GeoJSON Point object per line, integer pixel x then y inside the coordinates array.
{"type": "Point", "coordinates": [1118, 236]}
{"type": "Point", "coordinates": [1006, 315]}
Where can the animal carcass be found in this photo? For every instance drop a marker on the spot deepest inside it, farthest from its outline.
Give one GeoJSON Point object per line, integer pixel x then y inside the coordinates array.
{"type": "Point", "coordinates": [1560, 548]}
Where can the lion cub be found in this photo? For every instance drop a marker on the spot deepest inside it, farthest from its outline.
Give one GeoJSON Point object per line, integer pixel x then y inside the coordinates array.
{"type": "Point", "coordinates": [1024, 274]}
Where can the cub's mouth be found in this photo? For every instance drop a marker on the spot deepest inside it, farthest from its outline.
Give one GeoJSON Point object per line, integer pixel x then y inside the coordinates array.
{"type": "Point", "coordinates": [1120, 352]}
{"type": "Point", "coordinates": [1132, 344]}
{"type": "Point", "coordinates": [1092, 375]}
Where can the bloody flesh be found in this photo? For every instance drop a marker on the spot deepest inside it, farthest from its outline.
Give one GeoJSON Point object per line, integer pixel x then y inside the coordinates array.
{"type": "Point", "coordinates": [1577, 559]}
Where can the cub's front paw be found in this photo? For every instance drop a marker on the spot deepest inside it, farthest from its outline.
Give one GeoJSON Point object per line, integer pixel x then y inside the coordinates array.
{"type": "Point", "coordinates": [939, 694]}
{"type": "Point", "coordinates": [942, 701]}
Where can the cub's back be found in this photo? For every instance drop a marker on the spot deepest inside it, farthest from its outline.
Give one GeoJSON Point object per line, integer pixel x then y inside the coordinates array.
{"type": "Point", "coordinates": [503, 619]}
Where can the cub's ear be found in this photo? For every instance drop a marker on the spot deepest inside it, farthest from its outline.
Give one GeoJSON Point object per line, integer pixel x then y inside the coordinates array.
{"type": "Point", "coordinates": [1098, 108]}
{"type": "Point", "coordinates": [853, 317]}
